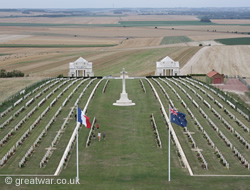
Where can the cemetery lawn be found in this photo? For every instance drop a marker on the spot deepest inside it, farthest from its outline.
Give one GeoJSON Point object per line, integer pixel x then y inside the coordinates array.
{"type": "Point", "coordinates": [129, 158]}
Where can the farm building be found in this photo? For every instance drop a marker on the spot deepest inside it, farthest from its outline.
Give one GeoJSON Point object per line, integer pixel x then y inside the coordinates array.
{"type": "Point", "coordinates": [80, 67]}
{"type": "Point", "coordinates": [167, 67]}
{"type": "Point", "coordinates": [213, 77]}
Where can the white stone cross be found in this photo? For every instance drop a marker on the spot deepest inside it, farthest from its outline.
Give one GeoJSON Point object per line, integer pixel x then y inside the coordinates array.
{"type": "Point", "coordinates": [123, 80]}
{"type": "Point", "coordinates": [123, 101]}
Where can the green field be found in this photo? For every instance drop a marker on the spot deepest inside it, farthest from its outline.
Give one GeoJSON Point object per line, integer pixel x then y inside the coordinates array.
{"type": "Point", "coordinates": [129, 158]}
{"type": "Point", "coordinates": [175, 40]}
{"type": "Point", "coordinates": [234, 41]}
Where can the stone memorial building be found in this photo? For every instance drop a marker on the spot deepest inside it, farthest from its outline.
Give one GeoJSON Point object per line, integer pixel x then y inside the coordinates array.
{"type": "Point", "coordinates": [167, 67]}
{"type": "Point", "coordinates": [80, 68]}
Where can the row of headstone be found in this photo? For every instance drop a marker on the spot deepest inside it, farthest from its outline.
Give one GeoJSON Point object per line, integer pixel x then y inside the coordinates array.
{"type": "Point", "coordinates": [56, 138]}
{"type": "Point", "coordinates": [213, 125]}
{"type": "Point", "coordinates": [45, 157]}
{"type": "Point", "coordinates": [52, 120]}
{"type": "Point", "coordinates": [50, 94]}
{"type": "Point", "coordinates": [225, 139]}
{"type": "Point", "coordinates": [28, 132]}
{"type": "Point", "coordinates": [15, 114]}
{"type": "Point", "coordinates": [203, 113]}
{"type": "Point", "coordinates": [242, 140]}
{"type": "Point", "coordinates": [191, 140]}
{"type": "Point", "coordinates": [216, 113]}
{"type": "Point", "coordinates": [7, 156]}
{"type": "Point", "coordinates": [78, 99]}
{"type": "Point", "coordinates": [198, 124]}
{"type": "Point", "coordinates": [164, 91]}
{"type": "Point", "coordinates": [223, 98]}
{"type": "Point", "coordinates": [38, 95]}
{"type": "Point", "coordinates": [230, 115]}
{"type": "Point", "coordinates": [6, 137]}
{"type": "Point", "coordinates": [242, 113]}
{"type": "Point", "coordinates": [106, 84]}
{"type": "Point", "coordinates": [10, 153]}
{"type": "Point", "coordinates": [195, 103]}
{"type": "Point", "coordinates": [24, 159]}
{"type": "Point", "coordinates": [29, 102]}
{"type": "Point", "coordinates": [221, 157]}
{"type": "Point", "coordinates": [210, 142]}
{"type": "Point", "coordinates": [242, 125]}
{"type": "Point", "coordinates": [201, 159]}
{"type": "Point", "coordinates": [6, 111]}
{"type": "Point", "coordinates": [25, 96]}
{"type": "Point", "coordinates": [207, 104]}
{"type": "Point", "coordinates": [228, 126]}
{"type": "Point", "coordinates": [43, 133]}
{"type": "Point", "coordinates": [218, 103]}
{"type": "Point", "coordinates": [11, 118]}
{"type": "Point", "coordinates": [157, 136]}
{"type": "Point", "coordinates": [231, 104]}
{"type": "Point", "coordinates": [6, 123]}
{"type": "Point", "coordinates": [21, 109]}
{"type": "Point", "coordinates": [199, 96]}
{"type": "Point", "coordinates": [243, 161]}
{"type": "Point", "coordinates": [38, 140]}
{"type": "Point", "coordinates": [219, 116]}
{"type": "Point", "coordinates": [166, 94]}
{"type": "Point", "coordinates": [18, 102]}
{"type": "Point", "coordinates": [174, 138]}
{"type": "Point", "coordinates": [210, 97]}
{"type": "Point", "coordinates": [73, 137]}
{"type": "Point", "coordinates": [41, 102]}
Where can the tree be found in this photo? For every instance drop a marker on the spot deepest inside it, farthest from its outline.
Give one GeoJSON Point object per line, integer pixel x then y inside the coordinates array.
{"type": "Point", "coordinates": [14, 73]}
{"type": "Point", "coordinates": [3, 73]}
{"type": "Point", "coordinates": [205, 19]}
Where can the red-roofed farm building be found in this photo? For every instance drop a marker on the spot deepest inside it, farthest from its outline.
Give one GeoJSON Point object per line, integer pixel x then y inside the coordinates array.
{"type": "Point", "coordinates": [213, 77]}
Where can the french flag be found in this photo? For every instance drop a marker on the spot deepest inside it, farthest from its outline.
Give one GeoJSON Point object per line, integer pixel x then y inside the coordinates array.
{"type": "Point", "coordinates": [83, 119]}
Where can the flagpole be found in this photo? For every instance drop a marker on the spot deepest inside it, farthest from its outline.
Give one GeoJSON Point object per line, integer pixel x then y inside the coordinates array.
{"type": "Point", "coordinates": [77, 157]}
{"type": "Point", "coordinates": [169, 145]}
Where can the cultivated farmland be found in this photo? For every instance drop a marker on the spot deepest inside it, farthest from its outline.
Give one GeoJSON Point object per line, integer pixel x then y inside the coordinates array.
{"type": "Point", "coordinates": [230, 60]}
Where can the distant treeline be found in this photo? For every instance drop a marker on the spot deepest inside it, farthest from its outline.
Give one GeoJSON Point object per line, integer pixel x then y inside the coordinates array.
{"type": "Point", "coordinates": [14, 73]}
{"type": "Point", "coordinates": [211, 13]}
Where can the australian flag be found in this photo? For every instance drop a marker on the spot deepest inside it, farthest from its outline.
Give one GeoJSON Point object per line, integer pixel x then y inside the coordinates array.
{"type": "Point", "coordinates": [178, 118]}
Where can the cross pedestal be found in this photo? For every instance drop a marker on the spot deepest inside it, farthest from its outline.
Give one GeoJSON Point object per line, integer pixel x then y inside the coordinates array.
{"type": "Point", "coordinates": [123, 101]}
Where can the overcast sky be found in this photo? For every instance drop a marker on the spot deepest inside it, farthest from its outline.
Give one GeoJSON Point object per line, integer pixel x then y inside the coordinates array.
{"type": "Point", "coordinates": [121, 3]}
